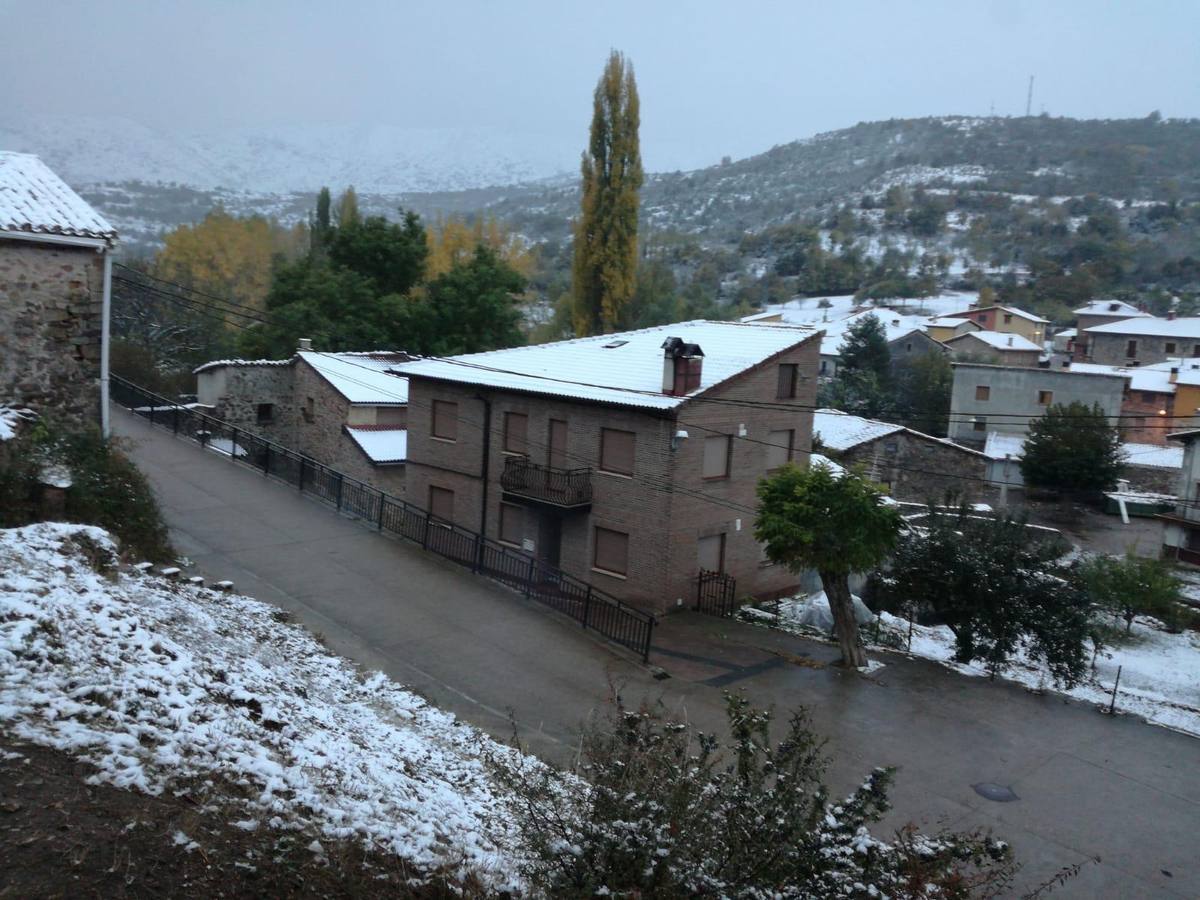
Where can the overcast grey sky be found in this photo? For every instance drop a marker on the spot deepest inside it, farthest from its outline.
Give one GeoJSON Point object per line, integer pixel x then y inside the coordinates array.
{"type": "Point", "coordinates": [734, 76]}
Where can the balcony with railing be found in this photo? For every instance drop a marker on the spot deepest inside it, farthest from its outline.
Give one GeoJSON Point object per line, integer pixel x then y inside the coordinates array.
{"type": "Point", "coordinates": [525, 480]}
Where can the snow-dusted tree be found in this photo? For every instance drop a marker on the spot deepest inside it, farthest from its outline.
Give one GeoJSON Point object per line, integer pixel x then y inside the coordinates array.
{"type": "Point", "coordinates": [998, 589]}
{"type": "Point", "coordinates": [1073, 449]}
{"type": "Point", "coordinates": [657, 809]}
{"type": "Point", "coordinates": [1126, 586]}
{"type": "Point", "coordinates": [836, 524]}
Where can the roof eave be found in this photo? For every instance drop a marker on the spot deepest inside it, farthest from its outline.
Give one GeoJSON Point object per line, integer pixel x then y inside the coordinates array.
{"type": "Point", "coordinates": [49, 237]}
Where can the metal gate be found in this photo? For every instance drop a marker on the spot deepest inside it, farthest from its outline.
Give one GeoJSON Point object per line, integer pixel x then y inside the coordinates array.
{"type": "Point", "coordinates": [716, 593]}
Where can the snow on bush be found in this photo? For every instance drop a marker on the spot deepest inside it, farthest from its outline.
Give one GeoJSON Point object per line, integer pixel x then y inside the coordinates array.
{"type": "Point", "coordinates": [155, 682]}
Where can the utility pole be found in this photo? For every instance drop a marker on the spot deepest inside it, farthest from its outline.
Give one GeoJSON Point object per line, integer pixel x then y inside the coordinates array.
{"type": "Point", "coordinates": [1029, 99]}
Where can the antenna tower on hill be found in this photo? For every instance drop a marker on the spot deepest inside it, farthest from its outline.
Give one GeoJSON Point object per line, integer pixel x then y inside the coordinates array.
{"type": "Point", "coordinates": [1029, 99]}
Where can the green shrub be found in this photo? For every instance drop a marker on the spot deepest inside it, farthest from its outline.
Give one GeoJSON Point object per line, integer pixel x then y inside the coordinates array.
{"type": "Point", "coordinates": [106, 488]}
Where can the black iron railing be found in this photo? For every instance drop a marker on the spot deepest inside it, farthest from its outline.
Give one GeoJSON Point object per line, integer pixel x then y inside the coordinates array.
{"type": "Point", "coordinates": [594, 609]}
{"type": "Point", "coordinates": [546, 484]}
{"type": "Point", "coordinates": [716, 593]}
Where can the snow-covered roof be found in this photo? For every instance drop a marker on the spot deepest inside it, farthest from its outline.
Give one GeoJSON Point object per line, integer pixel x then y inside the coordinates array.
{"type": "Point", "coordinates": [1153, 456]}
{"type": "Point", "coordinates": [838, 430]}
{"type": "Point", "coordinates": [1000, 445]}
{"type": "Point", "coordinates": [1155, 378]}
{"type": "Point", "coordinates": [1148, 326]}
{"type": "Point", "coordinates": [998, 340]}
{"type": "Point", "coordinates": [1012, 310]}
{"type": "Point", "coordinates": [382, 445]}
{"type": "Point", "coordinates": [1188, 375]}
{"type": "Point", "coordinates": [33, 200]}
{"type": "Point", "coordinates": [624, 368]}
{"type": "Point", "coordinates": [11, 419]}
{"type": "Point", "coordinates": [1066, 333]}
{"type": "Point", "coordinates": [362, 377]}
{"type": "Point", "coordinates": [953, 322]}
{"type": "Point", "coordinates": [895, 326]}
{"type": "Point", "coordinates": [1109, 308]}
{"type": "Point", "coordinates": [240, 363]}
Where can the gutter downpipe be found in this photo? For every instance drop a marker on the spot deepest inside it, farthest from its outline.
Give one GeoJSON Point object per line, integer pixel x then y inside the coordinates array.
{"type": "Point", "coordinates": [487, 449]}
{"type": "Point", "coordinates": [105, 429]}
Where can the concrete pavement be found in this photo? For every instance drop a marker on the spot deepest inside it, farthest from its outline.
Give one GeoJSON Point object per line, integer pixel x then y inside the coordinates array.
{"type": "Point", "coordinates": [1088, 785]}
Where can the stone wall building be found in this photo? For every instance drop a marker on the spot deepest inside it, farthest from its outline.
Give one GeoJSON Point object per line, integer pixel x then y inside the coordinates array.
{"type": "Point", "coordinates": [55, 274]}
{"type": "Point", "coordinates": [1143, 340]}
{"type": "Point", "coordinates": [629, 460]}
{"type": "Point", "coordinates": [995, 348]}
{"type": "Point", "coordinates": [345, 410]}
{"type": "Point", "coordinates": [1099, 312]}
{"type": "Point", "coordinates": [911, 465]}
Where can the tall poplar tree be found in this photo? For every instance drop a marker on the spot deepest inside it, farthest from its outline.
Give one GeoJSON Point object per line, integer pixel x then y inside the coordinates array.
{"type": "Point", "coordinates": [605, 265]}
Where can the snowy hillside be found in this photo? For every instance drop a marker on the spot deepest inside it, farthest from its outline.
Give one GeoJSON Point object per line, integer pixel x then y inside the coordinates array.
{"type": "Point", "coordinates": [157, 683]}
{"type": "Point", "coordinates": [374, 158]}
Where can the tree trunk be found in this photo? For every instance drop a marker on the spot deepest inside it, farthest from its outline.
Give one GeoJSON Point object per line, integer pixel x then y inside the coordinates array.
{"type": "Point", "coordinates": [837, 589]}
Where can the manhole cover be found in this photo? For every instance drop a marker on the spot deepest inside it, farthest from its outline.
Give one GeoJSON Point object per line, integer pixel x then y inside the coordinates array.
{"type": "Point", "coordinates": [997, 792]}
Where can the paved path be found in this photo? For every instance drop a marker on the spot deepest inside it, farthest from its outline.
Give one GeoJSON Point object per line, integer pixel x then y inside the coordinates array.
{"type": "Point", "coordinates": [1088, 785]}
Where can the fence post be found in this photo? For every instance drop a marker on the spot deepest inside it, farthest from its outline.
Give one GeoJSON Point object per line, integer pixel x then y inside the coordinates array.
{"type": "Point", "coordinates": [425, 535]}
{"type": "Point", "coordinates": [174, 420]}
{"type": "Point", "coordinates": [587, 606]}
{"type": "Point", "coordinates": [529, 577]}
{"type": "Point", "coordinates": [233, 444]}
{"type": "Point", "coordinates": [379, 518]}
{"type": "Point", "coordinates": [477, 559]}
{"type": "Point", "coordinates": [266, 459]}
{"type": "Point", "coordinates": [300, 480]}
{"type": "Point", "coordinates": [339, 492]}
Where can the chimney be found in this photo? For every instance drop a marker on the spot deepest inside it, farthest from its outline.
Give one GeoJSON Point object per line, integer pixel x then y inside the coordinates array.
{"type": "Point", "coordinates": [682, 363]}
{"type": "Point", "coordinates": [304, 344]}
{"type": "Point", "coordinates": [1010, 340]}
{"type": "Point", "coordinates": [1170, 314]}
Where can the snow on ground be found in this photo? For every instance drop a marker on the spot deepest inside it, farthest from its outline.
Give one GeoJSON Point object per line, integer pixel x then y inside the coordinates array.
{"type": "Point", "coordinates": [1160, 672]}
{"type": "Point", "coordinates": [155, 682]}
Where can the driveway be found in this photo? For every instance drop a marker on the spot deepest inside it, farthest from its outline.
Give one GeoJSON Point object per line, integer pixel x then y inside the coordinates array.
{"type": "Point", "coordinates": [1087, 785]}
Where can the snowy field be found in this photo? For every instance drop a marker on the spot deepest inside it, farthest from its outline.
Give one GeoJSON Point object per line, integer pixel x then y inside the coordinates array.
{"type": "Point", "coordinates": [156, 683]}
{"type": "Point", "coordinates": [1160, 672]}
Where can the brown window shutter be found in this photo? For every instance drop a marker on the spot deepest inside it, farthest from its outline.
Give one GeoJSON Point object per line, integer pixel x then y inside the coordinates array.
{"type": "Point", "coordinates": [516, 431]}
{"type": "Point", "coordinates": [617, 451]}
{"type": "Point", "coordinates": [441, 503]}
{"type": "Point", "coordinates": [786, 389]}
{"type": "Point", "coordinates": [445, 420]}
{"type": "Point", "coordinates": [716, 456]}
{"type": "Point", "coordinates": [779, 448]}
{"type": "Point", "coordinates": [511, 524]}
{"type": "Point", "coordinates": [611, 551]}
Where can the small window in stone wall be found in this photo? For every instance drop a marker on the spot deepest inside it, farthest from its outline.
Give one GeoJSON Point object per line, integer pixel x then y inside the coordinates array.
{"type": "Point", "coordinates": [310, 409]}
{"type": "Point", "coordinates": [1169, 347]}
{"type": "Point", "coordinates": [1045, 398]}
{"type": "Point", "coordinates": [891, 448]}
{"type": "Point", "coordinates": [265, 413]}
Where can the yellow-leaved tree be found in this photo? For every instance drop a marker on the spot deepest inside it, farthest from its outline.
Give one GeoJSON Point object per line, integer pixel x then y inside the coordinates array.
{"type": "Point", "coordinates": [452, 242]}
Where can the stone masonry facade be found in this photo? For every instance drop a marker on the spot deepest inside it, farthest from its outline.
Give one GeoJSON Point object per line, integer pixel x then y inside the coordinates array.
{"type": "Point", "coordinates": [1114, 349]}
{"type": "Point", "coordinates": [51, 319]}
{"type": "Point", "coordinates": [920, 468]}
{"type": "Point", "coordinates": [316, 429]}
{"type": "Point", "coordinates": [665, 507]}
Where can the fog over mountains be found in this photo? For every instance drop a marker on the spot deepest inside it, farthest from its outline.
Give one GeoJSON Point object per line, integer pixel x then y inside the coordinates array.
{"type": "Point", "coordinates": [379, 159]}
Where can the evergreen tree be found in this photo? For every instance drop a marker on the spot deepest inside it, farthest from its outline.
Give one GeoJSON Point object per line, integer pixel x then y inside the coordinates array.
{"type": "Point", "coordinates": [391, 254]}
{"type": "Point", "coordinates": [1073, 449]}
{"type": "Point", "coordinates": [835, 524]}
{"type": "Point", "coordinates": [923, 389]}
{"type": "Point", "coordinates": [347, 209]}
{"type": "Point", "coordinates": [605, 264]}
{"type": "Point", "coordinates": [865, 349]}
{"type": "Point", "coordinates": [322, 226]}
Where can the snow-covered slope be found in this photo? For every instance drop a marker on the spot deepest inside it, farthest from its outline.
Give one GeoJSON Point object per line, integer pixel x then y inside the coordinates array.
{"type": "Point", "coordinates": [156, 682]}
{"type": "Point", "coordinates": [374, 158]}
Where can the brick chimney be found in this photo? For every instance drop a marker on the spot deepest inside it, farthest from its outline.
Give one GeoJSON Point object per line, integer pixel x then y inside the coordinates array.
{"type": "Point", "coordinates": [304, 344]}
{"type": "Point", "coordinates": [682, 365]}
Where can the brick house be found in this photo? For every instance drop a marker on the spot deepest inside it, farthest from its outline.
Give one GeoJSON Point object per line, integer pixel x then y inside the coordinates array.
{"type": "Point", "coordinates": [1006, 320]}
{"type": "Point", "coordinates": [996, 348]}
{"type": "Point", "coordinates": [1143, 340]}
{"type": "Point", "coordinates": [1148, 405]}
{"type": "Point", "coordinates": [911, 465]}
{"type": "Point", "coordinates": [630, 459]}
{"type": "Point", "coordinates": [343, 409]}
{"type": "Point", "coordinates": [1099, 312]}
{"type": "Point", "coordinates": [55, 277]}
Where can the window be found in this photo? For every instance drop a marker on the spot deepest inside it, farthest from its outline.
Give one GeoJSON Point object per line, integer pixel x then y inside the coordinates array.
{"type": "Point", "coordinates": [710, 552]}
{"type": "Point", "coordinates": [779, 448]}
{"type": "Point", "coordinates": [1007, 318]}
{"type": "Point", "coordinates": [908, 348]}
{"type": "Point", "coordinates": [1131, 349]}
{"type": "Point", "coordinates": [616, 451]}
{"type": "Point", "coordinates": [1196, 350]}
{"type": "Point", "coordinates": [980, 423]}
{"type": "Point", "coordinates": [786, 388]}
{"type": "Point", "coordinates": [824, 365]}
{"type": "Point", "coordinates": [983, 392]}
{"type": "Point", "coordinates": [265, 413]}
{"type": "Point", "coordinates": [891, 448]}
{"type": "Point", "coordinates": [1045, 398]}
{"type": "Point", "coordinates": [512, 526]}
{"type": "Point", "coordinates": [441, 503]}
{"type": "Point", "coordinates": [1169, 347]}
{"type": "Point", "coordinates": [982, 317]}
{"type": "Point", "coordinates": [516, 429]}
{"type": "Point", "coordinates": [310, 409]}
{"type": "Point", "coordinates": [610, 551]}
{"type": "Point", "coordinates": [444, 422]}
{"type": "Point", "coordinates": [716, 456]}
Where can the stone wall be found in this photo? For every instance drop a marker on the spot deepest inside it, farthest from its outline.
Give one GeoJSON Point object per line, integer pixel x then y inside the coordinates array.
{"type": "Point", "coordinates": [51, 317]}
{"type": "Point", "coordinates": [1154, 479]}
{"type": "Point", "coordinates": [920, 468]}
{"type": "Point", "coordinates": [1112, 349]}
